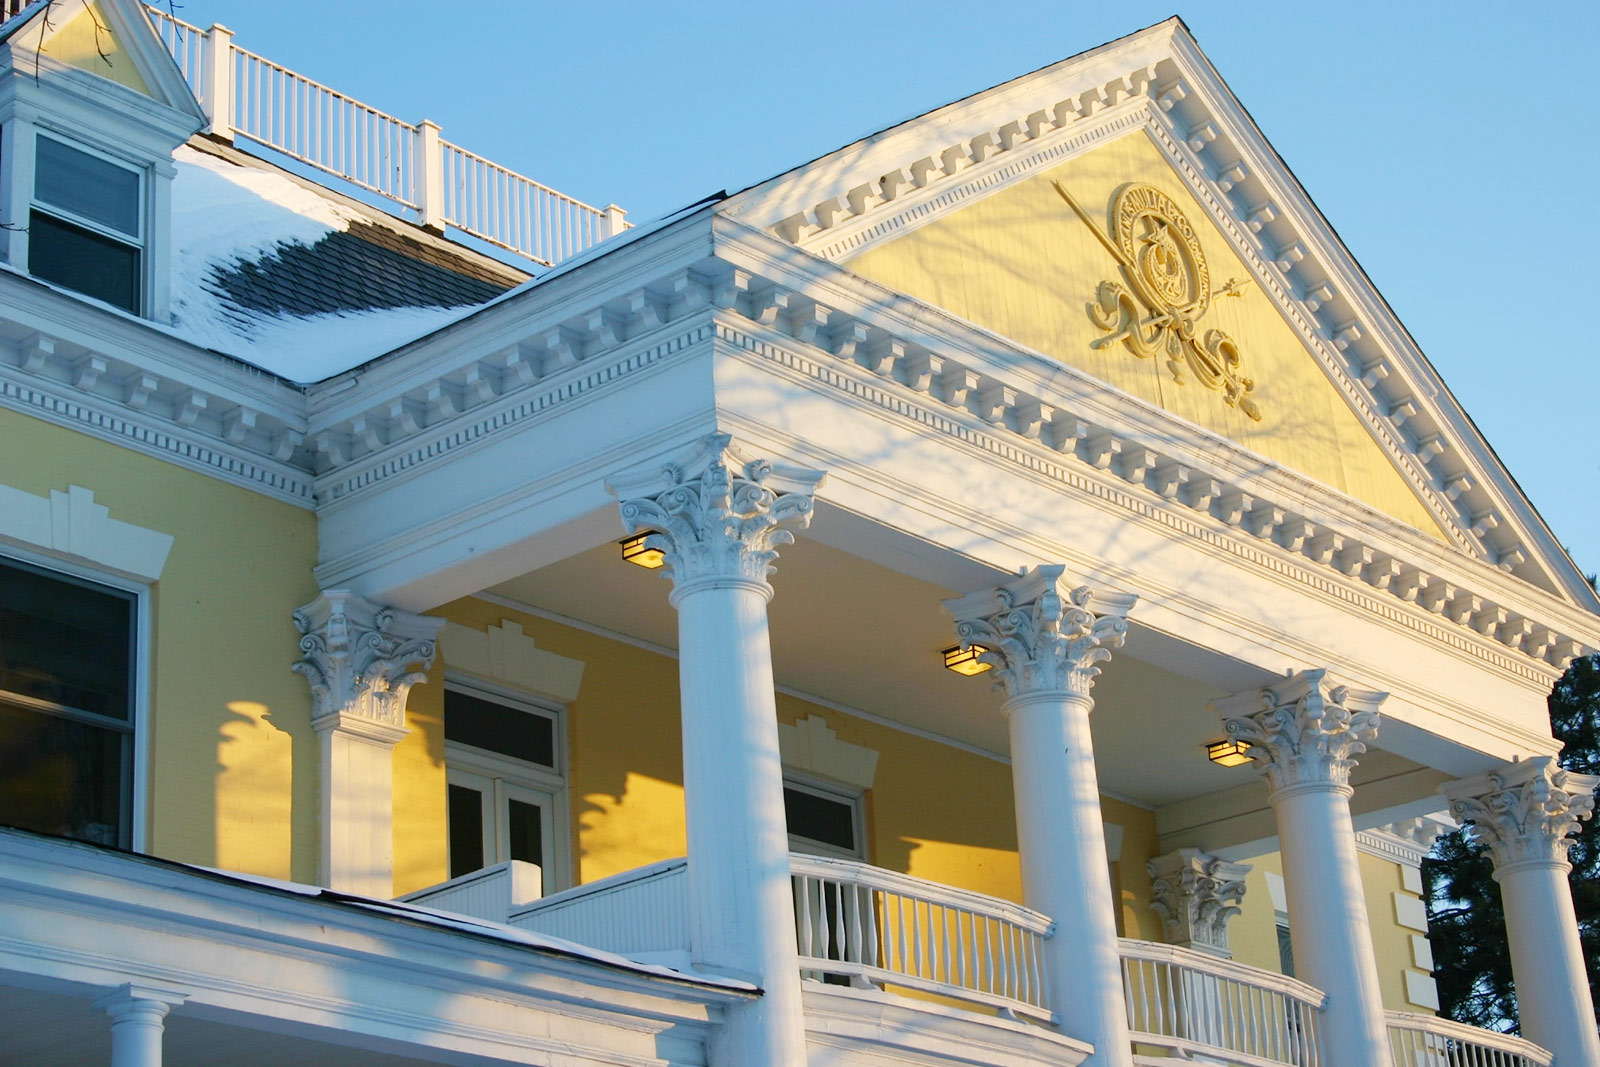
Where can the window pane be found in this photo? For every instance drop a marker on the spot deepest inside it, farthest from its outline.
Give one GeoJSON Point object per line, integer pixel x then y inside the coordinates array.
{"type": "Point", "coordinates": [819, 819]}
{"type": "Point", "coordinates": [62, 777]}
{"type": "Point", "coordinates": [1285, 951]}
{"type": "Point", "coordinates": [471, 720]}
{"type": "Point", "coordinates": [527, 836]}
{"type": "Point", "coordinates": [87, 186]}
{"type": "Point", "coordinates": [83, 261]}
{"type": "Point", "coordinates": [465, 809]}
{"type": "Point", "coordinates": [66, 642]}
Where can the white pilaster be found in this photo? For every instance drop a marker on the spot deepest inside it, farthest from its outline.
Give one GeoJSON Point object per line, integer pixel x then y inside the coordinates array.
{"type": "Point", "coordinates": [718, 518]}
{"type": "Point", "coordinates": [1302, 732]}
{"type": "Point", "coordinates": [1524, 814]}
{"type": "Point", "coordinates": [1044, 643]}
{"type": "Point", "coordinates": [358, 657]}
{"type": "Point", "coordinates": [138, 1015]}
{"type": "Point", "coordinates": [1196, 894]}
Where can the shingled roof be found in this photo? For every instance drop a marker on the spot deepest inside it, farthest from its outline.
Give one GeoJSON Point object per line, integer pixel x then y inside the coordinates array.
{"type": "Point", "coordinates": [301, 281]}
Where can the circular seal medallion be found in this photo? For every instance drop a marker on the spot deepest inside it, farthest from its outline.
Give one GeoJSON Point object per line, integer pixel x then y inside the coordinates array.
{"type": "Point", "coordinates": [1164, 249]}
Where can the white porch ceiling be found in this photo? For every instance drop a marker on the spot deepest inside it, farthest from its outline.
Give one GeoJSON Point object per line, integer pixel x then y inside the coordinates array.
{"type": "Point", "coordinates": [867, 637]}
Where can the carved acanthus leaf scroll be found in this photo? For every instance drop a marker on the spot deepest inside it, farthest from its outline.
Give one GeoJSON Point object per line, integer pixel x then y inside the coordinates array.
{"type": "Point", "coordinates": [1168, 291]}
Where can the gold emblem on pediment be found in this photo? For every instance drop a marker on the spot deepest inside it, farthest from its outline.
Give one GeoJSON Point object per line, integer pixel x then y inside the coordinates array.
{"type": "Point", "coordinates": [1168, 291]}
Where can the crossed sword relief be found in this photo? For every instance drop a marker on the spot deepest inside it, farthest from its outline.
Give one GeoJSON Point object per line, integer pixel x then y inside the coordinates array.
{"type": "Point", "coordinates": [1170, 327]}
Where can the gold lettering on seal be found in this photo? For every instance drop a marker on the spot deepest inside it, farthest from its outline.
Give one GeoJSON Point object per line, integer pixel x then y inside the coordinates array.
{"type": "Point", "coordinates": [1159, 254]}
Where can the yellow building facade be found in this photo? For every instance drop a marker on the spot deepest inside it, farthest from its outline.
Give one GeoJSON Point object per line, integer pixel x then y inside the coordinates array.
{"type": "Point", "coordinates": [990, 480]}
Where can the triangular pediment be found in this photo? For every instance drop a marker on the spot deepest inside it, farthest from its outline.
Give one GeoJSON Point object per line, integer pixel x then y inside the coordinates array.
{"type": "Point", "coordinates": [109, 39]}
{"type": "Point", "coordinates": [1143, 292]}
{"type": "Point", "coordinates": [960, 209]}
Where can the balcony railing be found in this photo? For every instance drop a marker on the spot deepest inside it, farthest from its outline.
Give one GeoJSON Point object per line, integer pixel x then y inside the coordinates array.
{"type": "Point", "coordinates": [1192, 1005]}
{"type": "Point", "coordinates": [875, 927]}
{"type": "Point", "coordinates": [1429, 1041]}
{"type": "Point", "coordinates": [406, 166]}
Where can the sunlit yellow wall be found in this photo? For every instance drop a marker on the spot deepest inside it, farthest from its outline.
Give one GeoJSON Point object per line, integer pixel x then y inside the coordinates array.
{"type": "Point", "coordinates": [1391, 942]}
{"type": "Point", "coordinates": [1021, 263]}
{"type": "Point", "coordinates": [1130, 877]}
{"type": "Point", "coordinates": [1254, 938]}
{"type": "Point", "coordinates": [626, 765]}
{"type": "Point", "coordinates": [234, 778]}
{"type": "Point", "coordinates": [86, 41]}
{"type": "Point", "coordinates": [934, 811]}
{"type": "Point", "coordinates": [1253, 934]}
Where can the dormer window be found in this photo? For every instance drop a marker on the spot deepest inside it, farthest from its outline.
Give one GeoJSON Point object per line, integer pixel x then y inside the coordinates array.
{"type": "Point", "coordinates": [86, 224]}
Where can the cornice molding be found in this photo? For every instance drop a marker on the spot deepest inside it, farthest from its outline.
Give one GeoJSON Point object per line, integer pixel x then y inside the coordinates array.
{"type": "Point", "coordinates": [965, 402]}
{"type": "Point", "coordinates": [1405, 843]}
{"type": "Point", "coordinates": [78, 366]}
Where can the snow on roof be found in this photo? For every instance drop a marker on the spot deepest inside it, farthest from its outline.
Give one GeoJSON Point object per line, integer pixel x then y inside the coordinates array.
{"type": "Point", "coordinates": [228, 218]}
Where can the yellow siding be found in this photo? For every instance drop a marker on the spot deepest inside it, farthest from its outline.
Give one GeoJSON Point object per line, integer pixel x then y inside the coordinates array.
{"type": "Point", "coordinates": [1021, 263]}
{"type": "Point", "coordinates": [234, 779]}
{"type": "Point", "coordinates": [87, 42]}
{"type": "Point", "coordinates": [934, 811]}
{"type": "Point", "coordinates": [1130, 877]}
{"type": "Point", "coordinates": [1254, 938]}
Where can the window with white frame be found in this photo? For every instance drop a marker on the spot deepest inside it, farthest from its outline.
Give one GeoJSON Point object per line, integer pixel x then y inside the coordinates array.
{"type": "Point", "coordinates": [505, 770]}
{"type": "Point", "coordinates": [86, 226]}
{"type": "Point", "coordinates": [823, 819]}
{"type": "Point", "coordinates": [68, 698]}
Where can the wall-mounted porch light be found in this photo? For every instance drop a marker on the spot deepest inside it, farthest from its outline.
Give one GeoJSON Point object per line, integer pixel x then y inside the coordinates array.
{"type": "Point", "coordinates": [965, 660]}
{"type": "Point", "coordinates": [1228, 752]}
{"type": "Point", "coordinates": [635, 551]}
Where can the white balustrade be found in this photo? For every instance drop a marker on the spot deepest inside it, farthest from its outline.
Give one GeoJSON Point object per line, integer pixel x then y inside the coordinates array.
{"type": "Point", "coordinates": [1193, 1005]}
{"type": "Point", "coordinates": [1429, 1041]}
{"type": "Point", "coordinates": [185, 42]}
{"type": "Point", "coordinates": [407, 165]}
{"type": "Point", "coordinates": [515, 212]}
{"type": "Point", "coordinates": [642, 912]}
{"type": "Point", "coordinates": [875, 927]}
{"type": "Point", "coordinates": [491, 893]}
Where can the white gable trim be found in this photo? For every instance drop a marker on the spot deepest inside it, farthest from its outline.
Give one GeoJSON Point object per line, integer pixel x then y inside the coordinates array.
{"type": "Point", "coordinates": [972, 148]}
{"type": "Point", "coordinates": [127, 21]}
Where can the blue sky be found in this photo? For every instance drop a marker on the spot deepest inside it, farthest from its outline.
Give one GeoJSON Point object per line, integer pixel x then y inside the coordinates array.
{"type": "Point", "coordinates": [1453, 146]}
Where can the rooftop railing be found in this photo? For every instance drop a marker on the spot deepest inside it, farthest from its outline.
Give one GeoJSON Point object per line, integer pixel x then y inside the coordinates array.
{"type": "Point", "coordinates": [408, 167]}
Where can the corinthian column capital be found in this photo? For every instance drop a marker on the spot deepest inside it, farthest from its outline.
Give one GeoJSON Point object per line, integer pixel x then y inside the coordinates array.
{"type": "Point", "coordinates": [1524, 813]}
{"type": "Point", "coordinates": [1196, 894]}
{"type": "Point", "coordinates": [358, 657]}
{"type": "Point", "coordinates": [1301, 730]}
{"type": "Point", "coordinates": [717, 516]}
{"type": "Point", "coordinates": [1040, 636]}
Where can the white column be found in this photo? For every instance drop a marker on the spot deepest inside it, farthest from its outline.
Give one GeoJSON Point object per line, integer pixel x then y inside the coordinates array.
{"type": "Point", "coordinates": [1302, 733]}
{"type": "Point", "coordinates": [1044, 644]}
{"type": "Point", "coordinates": [138, 1016]}
{"type": "Point", "coordinates": [1524, 813]}
{"type": "Point", "coordinates": [1196, 895]}
{"type": "Point", "coordinates": [358, 658]}
{"type": "Point", "coordinates": [718, 518]}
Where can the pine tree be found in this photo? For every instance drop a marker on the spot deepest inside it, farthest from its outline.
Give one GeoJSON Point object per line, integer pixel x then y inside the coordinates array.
{"type": "Point", "coordinates": [1466, 921]}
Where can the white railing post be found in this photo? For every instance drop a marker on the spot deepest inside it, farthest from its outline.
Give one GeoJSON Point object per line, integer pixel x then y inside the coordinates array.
{"type": "Point", "coordinates": [216, 99]}
{"type": "Point", "coordinates": [429, 180]}
{"type": "Point", "coordinates": [613, 222]}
